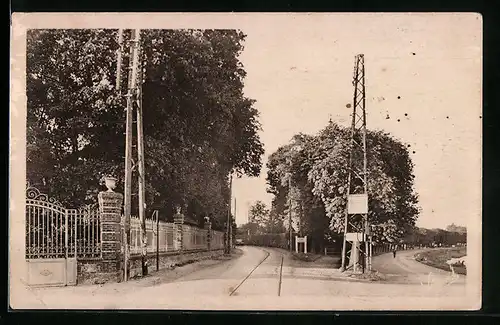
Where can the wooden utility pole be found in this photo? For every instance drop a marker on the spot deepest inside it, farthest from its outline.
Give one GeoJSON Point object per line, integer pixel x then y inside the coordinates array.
{"type": "Point", "coordinates": [228, 230]}
{"type": "Point", "coordinates": [141, 176]}
{"type": "Point", "coordinates": [131, 95]}
{"type": "Point", "coordinates": [290, 232]}
{"type": "Point", "coordinates": [119, 60]}
{"type": "Point", "coordinates": [232, 230]}
{"type": "Point", "coordinates": [157, 240]}
{"type": "Point", "coordinates": [128, 152]}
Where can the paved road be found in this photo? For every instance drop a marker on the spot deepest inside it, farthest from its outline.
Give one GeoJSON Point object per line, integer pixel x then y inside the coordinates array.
{"type": "Point", "coordinates": [256, 272]}
{"type": "Point", "coordinates": [261, 276]}
{"type": "Point", "coordinates": [405, 269]}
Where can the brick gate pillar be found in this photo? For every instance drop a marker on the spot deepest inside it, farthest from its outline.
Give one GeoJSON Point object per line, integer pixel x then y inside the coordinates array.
{"type": "Point", "coordinates": [208, 228]}
{"type": "Point", "coordinates": [178, 231]}
{"type": "Point", "coordinates": [110, 206]}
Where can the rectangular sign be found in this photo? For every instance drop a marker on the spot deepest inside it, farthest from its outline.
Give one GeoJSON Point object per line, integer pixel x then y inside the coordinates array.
{"type": "Point", "coordinates": [301, 239]}
{"type": "Point", "coordinates": [357, 204]}
{"type": "Point", "coordinates": [355, 236]}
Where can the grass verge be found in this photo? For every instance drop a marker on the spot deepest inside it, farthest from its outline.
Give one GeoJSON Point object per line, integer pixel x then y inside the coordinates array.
{"type": "Point", "coordinates": [305, 257]}
{"type": "Point", "coordinates": [437, 258]}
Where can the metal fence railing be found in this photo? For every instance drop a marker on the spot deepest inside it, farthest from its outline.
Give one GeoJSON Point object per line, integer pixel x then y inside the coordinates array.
{"type": "Point", "coordinates": [88, 232]}
{"type": "Point", "coordinates": [53, 231]}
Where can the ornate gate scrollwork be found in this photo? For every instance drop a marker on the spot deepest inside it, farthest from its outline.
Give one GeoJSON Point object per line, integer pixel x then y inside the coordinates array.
{"type": "Point", "coordinates": [33, 193]}
{"type": "Point", "coordinates": [56, 237]}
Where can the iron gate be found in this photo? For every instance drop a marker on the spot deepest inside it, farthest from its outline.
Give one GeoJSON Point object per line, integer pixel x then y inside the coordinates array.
{"type": "Point", "coordinates": [56, 237]}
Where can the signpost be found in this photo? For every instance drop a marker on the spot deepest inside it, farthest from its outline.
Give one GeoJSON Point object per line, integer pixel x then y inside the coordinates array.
{"type": "Point", "coordinates": [357, 203]}
{"type": "Point", "coordinates": [355, 236]}
{"type": "Point", "coordinates": [300, 240]}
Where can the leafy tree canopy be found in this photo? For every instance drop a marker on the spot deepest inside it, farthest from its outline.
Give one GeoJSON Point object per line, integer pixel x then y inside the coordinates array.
{"type": "Point", "coordinates": [313, 171]}
{"type": "Point", "coordinates": [198, 125]}
{"type": "Point", "coordinates": [263, 219]}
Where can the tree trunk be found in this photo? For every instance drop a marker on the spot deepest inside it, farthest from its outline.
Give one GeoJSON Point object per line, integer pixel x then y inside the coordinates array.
{"type": "Point", "coordinates": [74, 145]}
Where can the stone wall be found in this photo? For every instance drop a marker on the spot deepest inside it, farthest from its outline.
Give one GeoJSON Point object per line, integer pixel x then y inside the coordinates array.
{"type": "Point", "coordinates": [93, 272]}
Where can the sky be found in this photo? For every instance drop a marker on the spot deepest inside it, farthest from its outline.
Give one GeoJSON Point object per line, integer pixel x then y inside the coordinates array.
{"type": "Point", "coordinates": [423, 71]}
{"type": "Point", "coordinates": [299, 70]}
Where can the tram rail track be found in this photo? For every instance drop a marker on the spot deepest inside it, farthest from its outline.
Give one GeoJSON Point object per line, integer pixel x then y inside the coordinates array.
{"type": "Point", "coordinates": [248, 277]}
{"type": "Point", "coordinates": [281, 275]}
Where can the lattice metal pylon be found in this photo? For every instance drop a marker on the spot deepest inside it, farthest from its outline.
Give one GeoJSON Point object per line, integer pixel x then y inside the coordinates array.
{"type": "Point", "coordinates": [356, 250]}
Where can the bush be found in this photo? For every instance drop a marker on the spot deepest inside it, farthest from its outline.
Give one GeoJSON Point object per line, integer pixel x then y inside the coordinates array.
{"type": "Point", "coordinates": [305, 257]}
{"type": "Point", "coordinates": [269, 240]}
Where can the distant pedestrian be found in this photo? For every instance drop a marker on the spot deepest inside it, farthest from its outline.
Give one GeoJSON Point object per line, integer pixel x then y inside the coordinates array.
{"type": "Point", "coordinates": [394, 253]}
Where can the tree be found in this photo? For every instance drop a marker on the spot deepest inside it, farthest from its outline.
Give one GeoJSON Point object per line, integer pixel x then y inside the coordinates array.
{"type": "Point", "coordinates": [72, 111]}
{"type": "Point", "coordinates": [198, 125]}
{"type": "Point", "coordinates": [319, 170]}
{"type": "Point", "coordinates": [287, 180]}
{"type": "Point", "coordinates": [259, 214]}
{"type": "Point", "coordinates": [275, 224]}
{"type": "Point", "coordinates": [249, 228]}
{"type": "Point", "coordinates": [455, 228]}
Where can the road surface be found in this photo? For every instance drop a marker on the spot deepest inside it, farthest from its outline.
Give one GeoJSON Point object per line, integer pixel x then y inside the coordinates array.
{"type": "Point", "coordinates": [261, 275]}
{"type": "Point", "coordinates": [405, 269]}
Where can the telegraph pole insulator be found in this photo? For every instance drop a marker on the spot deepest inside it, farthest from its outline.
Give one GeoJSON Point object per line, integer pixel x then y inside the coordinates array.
{"type": "Point", "coordinates": [356, 250]}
